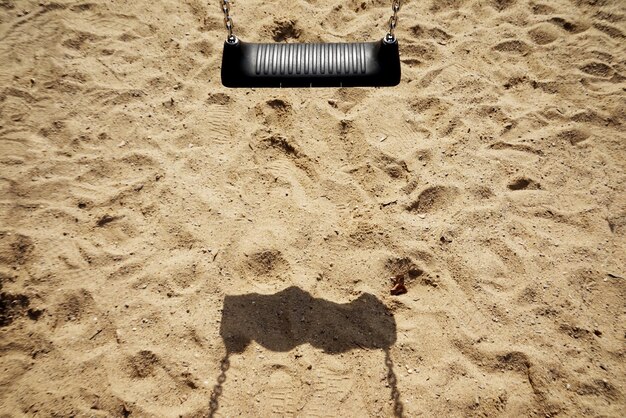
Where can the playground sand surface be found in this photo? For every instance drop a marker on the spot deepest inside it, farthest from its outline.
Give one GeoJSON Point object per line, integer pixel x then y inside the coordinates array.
{"type": "Point", "coordinates": [137, 193]}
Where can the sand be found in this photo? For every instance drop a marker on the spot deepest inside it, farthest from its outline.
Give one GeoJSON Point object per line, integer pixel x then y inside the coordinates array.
{"type": "Point", "coordinates": [137, 195]}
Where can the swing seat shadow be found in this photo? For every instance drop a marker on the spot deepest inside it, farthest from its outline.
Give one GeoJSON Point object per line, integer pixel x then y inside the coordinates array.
{"type": "Point", "coordinates": [292, 317]}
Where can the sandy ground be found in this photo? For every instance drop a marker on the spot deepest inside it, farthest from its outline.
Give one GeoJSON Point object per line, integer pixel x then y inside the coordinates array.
{"type": "Point", "coordinates": [172, 247]}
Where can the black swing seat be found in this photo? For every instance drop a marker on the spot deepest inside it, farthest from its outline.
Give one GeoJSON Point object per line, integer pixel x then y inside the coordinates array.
{"type": "Point", "coordinates": [360, 64]}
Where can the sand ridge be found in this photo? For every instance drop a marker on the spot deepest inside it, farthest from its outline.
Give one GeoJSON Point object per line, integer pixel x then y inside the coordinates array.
{"type": "Point", "coordinates": [136, 194]}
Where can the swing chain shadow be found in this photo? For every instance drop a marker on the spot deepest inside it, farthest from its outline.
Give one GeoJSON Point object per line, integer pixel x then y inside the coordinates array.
{"type": "Point", "coordinates": [398, 408]}
{"type": "Point", "coordinates": [218, 388]}
{"type": "Point", "coordinates": [292, 317]}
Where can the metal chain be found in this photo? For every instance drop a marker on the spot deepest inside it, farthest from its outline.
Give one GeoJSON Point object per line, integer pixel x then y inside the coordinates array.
{"type": "Point", "coordinates": [390, 37]}
{"type": "Point", "coordinates": [393, 21]}
{"type": "Point", "coordinates": [228, 22]}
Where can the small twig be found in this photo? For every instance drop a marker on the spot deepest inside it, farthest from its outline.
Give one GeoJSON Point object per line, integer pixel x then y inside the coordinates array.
{"type": "Point", "coordinates": [108, 68]}
{"type": "Point", "coordinates": [96, 334]}
{"type": "Point", "coordinates": [384, 205]}
{"type": "Point", "coordinates": [359, 345]}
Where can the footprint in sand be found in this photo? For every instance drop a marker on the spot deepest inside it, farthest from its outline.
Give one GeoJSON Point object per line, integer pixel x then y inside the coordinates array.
{"type": "Point", "coordinates": [524, 183]}
{"type": "Point", "coordinates": [433, 199]}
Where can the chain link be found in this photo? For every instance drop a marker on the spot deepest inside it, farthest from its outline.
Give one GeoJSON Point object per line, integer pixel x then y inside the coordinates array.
{"type": "Point", "coordinates": [228, 22]}
{"type": "Point", "coordinates": [393, 21]}
{"type": "Point", "coordinates": [390, 37]}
